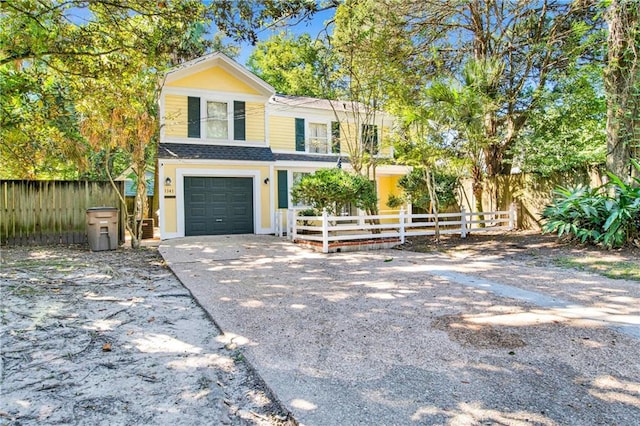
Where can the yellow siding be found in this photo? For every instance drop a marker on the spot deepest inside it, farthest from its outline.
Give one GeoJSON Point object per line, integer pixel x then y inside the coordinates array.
{"type": "Point", "coordinates": [385, 145]}
{"type": "Point", "coordinates": [216, 79]}
{"type": "Point", "coordinates": [175, 115]}
{"type": "Point", "coordinates": [349, 137]}
{"type": "Point", "coordinates": [387, 186]}
{"type": "Point", "coordinates": [255, 121]}
{"type": "Point", "coordinates": [282, 133]}
{"type": "Point", "coordinates": [170, 215]}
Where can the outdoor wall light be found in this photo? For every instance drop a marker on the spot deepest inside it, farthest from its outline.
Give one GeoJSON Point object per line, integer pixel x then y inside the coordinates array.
{"type": "Point", "coordinates": [266, 181]}
{"type": "Point", "coordinates": [167, 182]}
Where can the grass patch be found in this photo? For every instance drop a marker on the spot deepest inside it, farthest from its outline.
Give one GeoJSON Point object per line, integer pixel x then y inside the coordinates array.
{"type": "Point", "coordinates": [618, 270]}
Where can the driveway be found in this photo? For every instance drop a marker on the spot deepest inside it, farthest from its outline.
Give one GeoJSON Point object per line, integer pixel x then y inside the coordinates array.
{"type": "Point", "coordinates": [396, 337]}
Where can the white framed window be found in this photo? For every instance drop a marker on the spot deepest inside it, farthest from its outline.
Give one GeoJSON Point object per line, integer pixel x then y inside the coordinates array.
{"type": "Point", "coordinates": [217, 120]}
{"type": "Point", "coordinates": [318, 140]}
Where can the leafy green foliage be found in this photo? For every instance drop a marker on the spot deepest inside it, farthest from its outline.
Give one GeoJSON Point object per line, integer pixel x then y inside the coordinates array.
{"type": "Point", "coordinates": [292, 65]}
{"type": "Point", "coordinates": [416, 191]}
{"type": "Point", "coordinates": [566, 129]}
{"type": "Point", "coordinates": [608, 215]}
{"type": "Point", "coordinates": [334, 189]}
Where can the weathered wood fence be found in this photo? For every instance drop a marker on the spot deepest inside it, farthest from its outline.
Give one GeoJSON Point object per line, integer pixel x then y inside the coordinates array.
{"type": "Point", "coordinates": [333, 232]}
{"type": "Point", "coordinates": [51, 212]}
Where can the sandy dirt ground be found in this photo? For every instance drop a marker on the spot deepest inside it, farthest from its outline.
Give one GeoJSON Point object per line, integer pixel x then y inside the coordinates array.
{"type": "Point", "coordinates": [114, 338]}
{"type": "Point", "coordinates": [529, 247]}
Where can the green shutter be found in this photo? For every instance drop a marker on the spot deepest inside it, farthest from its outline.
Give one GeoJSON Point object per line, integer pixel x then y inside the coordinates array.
{"type": "Point", "coordinates": [193, 117]}
{"type": "Point", "coordinates": [239, 121]}
{"type": "Point", "coordinates": [283, 190]}
{"type": "Point", "coordinates": [335, 137]}
{"type": "Point", "coordinates": [300, 134]}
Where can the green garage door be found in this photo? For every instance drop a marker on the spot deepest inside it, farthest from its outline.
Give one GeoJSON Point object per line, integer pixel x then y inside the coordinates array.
{"type": "Point", "coordinates": [218, 206]}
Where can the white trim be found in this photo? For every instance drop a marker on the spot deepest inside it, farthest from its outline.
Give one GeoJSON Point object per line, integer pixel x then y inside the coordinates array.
{"type": "Point", "coordinates": [181, 173]}
{"type": "Point", "coordinates": [202, 141]}
{"type": "Point", "coordinates": [184, 91]}
{"type": "Point", "coordinates": [288, 151]}
{"type": "Point", "coordinates": [209, 163]}
{"type": "Point", "coordinates": [273, 194]}
{"type": "Point", "coordinates": [161, 114]}
{"type": "Point", "coordinates": [316, 115]}
{"type": "Point", "coordinates": [308, 164]}
{"type": "Point", "coordinates": [161, 208]}
{"type": "Point", "coordinates": [393, 170]}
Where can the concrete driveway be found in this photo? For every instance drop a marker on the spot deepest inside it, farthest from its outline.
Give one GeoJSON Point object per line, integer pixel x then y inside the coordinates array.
{"type": "Point", "coordinates": [395, 337]}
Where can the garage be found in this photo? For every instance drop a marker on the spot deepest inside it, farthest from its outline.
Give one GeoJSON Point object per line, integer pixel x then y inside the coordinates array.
{"type": "Point", "coordinates": [218, 205]}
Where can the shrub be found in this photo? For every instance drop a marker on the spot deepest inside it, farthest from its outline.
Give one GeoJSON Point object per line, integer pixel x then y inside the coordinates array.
{"type": "Point", "coordinates": [334, 189]}
{"type": "Point", "coordinates": [608, 215]}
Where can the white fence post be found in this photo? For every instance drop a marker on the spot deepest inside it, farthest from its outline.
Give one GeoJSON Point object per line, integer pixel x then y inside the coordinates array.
{"type": "Point", "coordinates": [325, 232]}
{"type": "Point", "coordinates": [293, 223]}
{"type": "Point", "coordinates": [512, 216]}
{"type": "Point", "coordinates": [463, 222]}
{"type": "Point", "coordinates": [402, 231]}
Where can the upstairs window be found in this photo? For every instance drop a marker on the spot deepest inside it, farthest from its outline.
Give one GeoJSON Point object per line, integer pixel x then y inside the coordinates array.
{"type": "Point", "coordinates": [318, 142]}
{"type": "Point", "coordinates": [370, 138]}
{"type": "Point", "coordinates": [217, 120]}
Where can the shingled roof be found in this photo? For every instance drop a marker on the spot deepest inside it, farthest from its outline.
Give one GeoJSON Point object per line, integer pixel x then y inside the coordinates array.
{"type": "Point", "coordinates": [214, 152]}
{"type": "Point", "coordinates": [307, 157]}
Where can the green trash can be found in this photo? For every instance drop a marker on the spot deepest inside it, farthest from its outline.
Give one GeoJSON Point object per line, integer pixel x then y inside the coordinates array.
{"type": "Point", "coordinates": [102, 228]}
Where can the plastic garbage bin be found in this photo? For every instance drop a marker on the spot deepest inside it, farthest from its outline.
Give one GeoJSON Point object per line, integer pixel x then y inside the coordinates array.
{"type": "Point", "coordinates": [102, 228]}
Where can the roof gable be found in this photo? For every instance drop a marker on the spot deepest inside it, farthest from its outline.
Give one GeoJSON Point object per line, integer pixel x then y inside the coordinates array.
{"type": "Point", "coordinates": [217, 72]}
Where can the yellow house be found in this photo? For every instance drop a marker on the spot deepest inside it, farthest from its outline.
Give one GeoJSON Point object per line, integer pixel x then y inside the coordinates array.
{"type": "Point", "coordinates": [231, 148]}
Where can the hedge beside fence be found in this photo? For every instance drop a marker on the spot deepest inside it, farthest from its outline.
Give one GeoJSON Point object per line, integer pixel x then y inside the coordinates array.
{"type": "Point", "coordinates": [51, 212]}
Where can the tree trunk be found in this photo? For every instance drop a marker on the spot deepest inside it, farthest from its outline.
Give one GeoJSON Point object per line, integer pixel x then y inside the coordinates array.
{"type": "Point", "coordinates": [621, 79]}
{"type": "Point", "coordinates": [476, 174]}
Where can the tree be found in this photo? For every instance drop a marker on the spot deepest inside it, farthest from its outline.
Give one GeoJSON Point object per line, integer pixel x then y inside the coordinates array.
{"type": "Point", "coordinates": [39, 137]}
{"type": "Point", "coordinates": [370, 50]}
{"type": "Point", "coordinates": [242, 19]}
{"type": "Point", "coordinates": [532, 41]}
{"type": "Point", "coordinates": [292, 65]}
{"type": "Point", "coordinates": [123, 119]}
{"type": "Point", "coordinates": [333, 190]}
{"type": "Point", "coordinates": [105, 70]}
{"type": "Point", "coordinates": [622, 85]}
{"type": "Point", "coordinates": [566, 131]}
{"type": "Point", "coordinates": [461, 110]}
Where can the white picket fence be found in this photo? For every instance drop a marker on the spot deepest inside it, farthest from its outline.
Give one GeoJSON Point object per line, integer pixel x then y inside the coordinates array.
{"type": "Point", "coordinates": [393, 228]}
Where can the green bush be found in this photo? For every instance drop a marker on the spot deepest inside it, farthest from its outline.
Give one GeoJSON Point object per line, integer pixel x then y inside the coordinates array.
{"type": "Point", "coordinates": [334, 189]}
{"type": "Point", "coordinates": [608, 215]}
{"type": "Point", "coordinates": [416, 191]}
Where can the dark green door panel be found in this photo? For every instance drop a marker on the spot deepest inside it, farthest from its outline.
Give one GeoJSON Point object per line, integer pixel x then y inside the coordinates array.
{"type": "Point", "coordinates": [218, 205]}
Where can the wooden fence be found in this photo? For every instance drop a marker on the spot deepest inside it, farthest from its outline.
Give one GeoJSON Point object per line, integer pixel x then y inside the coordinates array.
{"type": "Point", "coordinates": [334, 232]}
{"type": "Point", "coordinates": [51, 212]}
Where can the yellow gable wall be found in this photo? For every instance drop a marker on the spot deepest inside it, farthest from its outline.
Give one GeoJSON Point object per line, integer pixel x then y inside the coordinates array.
{"type": "Point", "coordinates": [171, 208]}
{"type": "Point", "coordinates": [216, 79]}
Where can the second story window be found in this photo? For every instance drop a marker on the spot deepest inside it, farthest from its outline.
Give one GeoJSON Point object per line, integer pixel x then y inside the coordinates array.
{"type": "Point", "coordinates": [318, 142]}
{"type": "Point", "coordinates": [370, 138]}
{"type": "Point", "coordinates": [217, 120]}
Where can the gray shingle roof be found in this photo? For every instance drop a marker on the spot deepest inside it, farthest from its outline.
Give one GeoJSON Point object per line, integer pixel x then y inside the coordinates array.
{"type": "Point", "coordinates": [214, 152]}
